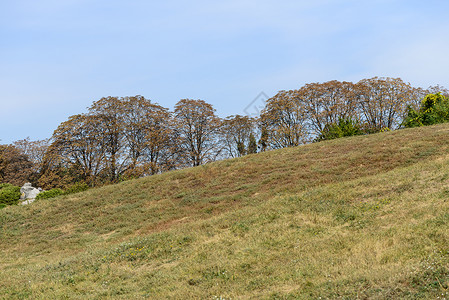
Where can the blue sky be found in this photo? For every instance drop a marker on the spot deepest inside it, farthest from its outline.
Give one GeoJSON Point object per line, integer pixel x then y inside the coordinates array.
{"type": "Point", "coordinates": [57, 57]}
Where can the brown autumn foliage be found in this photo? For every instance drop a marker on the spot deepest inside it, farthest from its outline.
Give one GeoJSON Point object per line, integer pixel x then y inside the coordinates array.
{"type": "Point", "coordinates": [110, 113]}
{"type": "Point", "coordinates": [15, 167]}
{"type": "Point", "coordinates": [198, 128]}
{"type": "Point", "coordinates": [284, 121]}
{"type": "Point", "coordinates": [128, 137]}
{"type": "Point", "coordinates": [119, 138]}
{"type": "Point", "coordinates": [78, 144]}
{"type": "Point", "coordinates": [149, 137]}
{"type": "Point", "coordinates": [325, 103]}
{"type": "Point", "coordinates": [238, 135]}
{"type": "Point", "coordinates": [382, 102]}
{"type": "Point", "coordinates": [299, 116]}
{"type": "Point", "coordinates": [34, 150]}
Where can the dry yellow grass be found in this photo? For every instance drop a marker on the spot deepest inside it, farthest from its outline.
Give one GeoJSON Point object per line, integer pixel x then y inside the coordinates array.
{"type": "Point", "coordinates": [364, 217]}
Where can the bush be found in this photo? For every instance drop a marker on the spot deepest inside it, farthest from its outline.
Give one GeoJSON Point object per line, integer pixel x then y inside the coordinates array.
{"type": "Point", "coordinates": [77, 188]}
{"type": "Point", "coordinates": [4, 185]}
{"type": "Point", "coordinates": [9, 194]}
{"type": "Point", "coordinates": [434, 110]}
{"type": "Point", "coordinates": [344, 127]}
{"type": "Point", "coordinates": [49, 194]}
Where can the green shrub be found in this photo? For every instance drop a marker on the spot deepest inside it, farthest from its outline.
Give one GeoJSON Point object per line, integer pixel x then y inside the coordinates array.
{"type": "Point", "coordinates": [434, 110]}
{"type": "Point", "coordinates": [9, 194]}
{"type": "Point", "coordinates": [5, 185]}
{"type": "Point", "coordinates": [77, 188]}
{"type": "Point", "coordinates": [49, 194]}
{"type": "Point", "coordinates": [344, 127]}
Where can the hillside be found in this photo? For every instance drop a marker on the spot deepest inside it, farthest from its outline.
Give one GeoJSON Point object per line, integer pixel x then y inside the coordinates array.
{"type": "Point", "coordinates": [363, 217]}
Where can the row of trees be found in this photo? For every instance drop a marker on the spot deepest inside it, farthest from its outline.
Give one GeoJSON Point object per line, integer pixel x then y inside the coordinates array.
{"type": "Point", "coordinates": [295, 117]}
{"type": "Point", "coordinates": [128, 137]}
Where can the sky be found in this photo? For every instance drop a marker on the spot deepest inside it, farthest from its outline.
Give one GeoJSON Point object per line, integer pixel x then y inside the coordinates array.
{"type": "Point", "coordinates": [57, 57]}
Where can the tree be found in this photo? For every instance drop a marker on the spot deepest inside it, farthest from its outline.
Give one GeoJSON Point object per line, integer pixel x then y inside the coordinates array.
{"type": "Point", "coordinates": [263, 141]}
{"type": "Point", "coordinates": [326, 103]}
{"type": "Point", "coordinates": [236, 132]}
{"type": "Point", "coordinates": [197, 126]}
{"type": "Point", "coordinates": [148, 134]}
{"type": "Point", "coordinates": [252, 144]}
{"type": "Point", "coordinates": [110, 113]}
{"type": "Point", "coordinates": [35, 151]}
{"type": "Point", "coordinates": [434, 109]}
{"type": "Point", "coordinates": [298, 116]}
{"type": "Point", "coordinates": [118, 138]}
{"type": "Point", "coordinates": [78, 145]}
{"type": "Point", "coordinates": [15, 167]}
{"type": "Point", "coordinates": [284, 121]}
{"type": "Point", "coordinates": [437, 89]}
{"type": "Point", "coordinates": [383, 102]}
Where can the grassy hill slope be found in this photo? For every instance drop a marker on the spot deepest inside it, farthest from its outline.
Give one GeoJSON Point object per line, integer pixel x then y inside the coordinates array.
{"type": "Point", "coordinates": [363, 217]}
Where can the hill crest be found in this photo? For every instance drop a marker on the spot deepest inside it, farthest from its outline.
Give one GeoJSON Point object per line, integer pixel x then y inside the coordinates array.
{"type": "Point", "coordinates": [274, 224]}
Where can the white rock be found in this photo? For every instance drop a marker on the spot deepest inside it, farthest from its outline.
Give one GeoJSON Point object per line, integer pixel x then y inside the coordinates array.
{"type": "Point", "coordinates": [28, 193]}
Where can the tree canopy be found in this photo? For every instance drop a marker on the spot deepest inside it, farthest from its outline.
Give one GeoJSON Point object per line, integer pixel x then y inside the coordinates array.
{"type": "Point", "coordinates": [119, 138]}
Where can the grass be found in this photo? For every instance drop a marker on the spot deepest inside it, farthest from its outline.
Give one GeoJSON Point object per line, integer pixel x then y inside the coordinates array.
{"type": "Point", "coordinates": [362, 217]}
